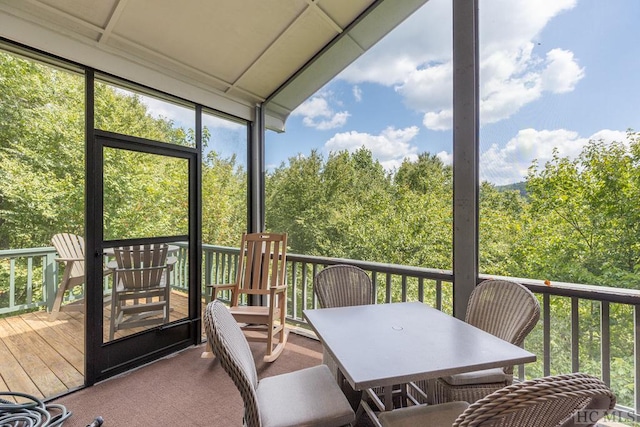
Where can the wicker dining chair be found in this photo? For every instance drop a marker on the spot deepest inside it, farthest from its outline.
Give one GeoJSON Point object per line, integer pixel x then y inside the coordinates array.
{"type": "Point", "coordinates": [505, 309]}
{"type": "Point", "coordinates": [342, 286]}
{"type": "Point", "coordinates": [555, 401]}
{"type": "Point", "coordinates": [307, 397]}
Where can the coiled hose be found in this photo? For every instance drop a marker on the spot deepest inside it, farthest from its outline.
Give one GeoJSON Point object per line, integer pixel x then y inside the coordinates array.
{"type": "Point", "coordinates": [34, 413]}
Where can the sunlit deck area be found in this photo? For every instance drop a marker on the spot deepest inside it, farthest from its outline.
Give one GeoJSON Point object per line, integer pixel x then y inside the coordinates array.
{"type": "Point", "coordinates": [44, 357]}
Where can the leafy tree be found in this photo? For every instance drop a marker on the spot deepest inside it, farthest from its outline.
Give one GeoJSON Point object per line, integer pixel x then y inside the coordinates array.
{"type": "Point", "coordinates": [224, 200]}
{"type": "Point", "coordinates": [501, 215]}
{"type": "Point", "coordinates": [294, 202]}
{"type": "Point", "coordinates": [586, 212]}
{"type": "Point", "coordinates": [424, 213]}
{"type": "Point", "coordinates": [41, 122]}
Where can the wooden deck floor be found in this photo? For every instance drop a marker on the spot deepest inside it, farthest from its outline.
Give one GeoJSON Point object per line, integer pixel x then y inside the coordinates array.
{"type": "Point", "coordinates": [44, 357]}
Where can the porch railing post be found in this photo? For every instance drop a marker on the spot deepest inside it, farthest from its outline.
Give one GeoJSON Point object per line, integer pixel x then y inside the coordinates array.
{"type": "Point", "coordinates": [636, 353]}
{"type": "Point", "coordinates": [50, 269]}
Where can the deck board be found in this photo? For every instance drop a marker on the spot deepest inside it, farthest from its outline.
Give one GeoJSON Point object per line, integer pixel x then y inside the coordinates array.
{"type": "Point", "coordinates": [66, 325]}
{"type": "Point", "coordinates": [58, 340]}
{"type": "Point", "coordinates": [13, 376]}
{"type": "Point", "coordinates": [44, 358]}
{"type": "Point", "coordinates": [45, 381]}
{"type": "Point", "coordinates": [52, 352]}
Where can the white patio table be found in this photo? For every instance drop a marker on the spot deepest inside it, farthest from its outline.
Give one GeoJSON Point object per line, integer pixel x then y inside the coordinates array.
{"type": "Point", "coordinates": [382, 345]}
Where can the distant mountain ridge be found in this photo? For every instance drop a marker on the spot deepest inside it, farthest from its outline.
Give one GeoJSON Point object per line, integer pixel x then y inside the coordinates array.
{"type": "Point", "coordinates": [521, 187]}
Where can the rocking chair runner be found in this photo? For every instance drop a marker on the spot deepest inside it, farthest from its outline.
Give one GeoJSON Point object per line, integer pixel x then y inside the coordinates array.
{"type": "Point", "coordinates": [260, 274]}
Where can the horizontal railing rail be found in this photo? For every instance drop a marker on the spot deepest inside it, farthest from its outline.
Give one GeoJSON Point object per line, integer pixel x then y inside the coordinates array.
{"type": "Point", "coordinates": [595, 314]}
{"type": "Point", "coordinates": [29, 278]}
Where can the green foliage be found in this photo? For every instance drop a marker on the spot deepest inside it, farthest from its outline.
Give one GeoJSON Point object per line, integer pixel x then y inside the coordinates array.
{"type": "Point", "coordinates": [42, 164]}
{"type": "Point", "coordinates": [224, 200]}
{"type": "Point", "coordinates": [583, 221]}
{"type": "Point", "coordinates": [349, 207]}
{"type": "Point", "coordinates": [578, 221]}
{"type": "Point", "coordinates": [500, 225]}
{"type": "Point", "coordinates": [41, 150]}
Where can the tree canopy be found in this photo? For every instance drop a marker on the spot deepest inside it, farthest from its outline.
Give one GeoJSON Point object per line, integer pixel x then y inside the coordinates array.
{"type": "Point", "coordinates": [577, 221]}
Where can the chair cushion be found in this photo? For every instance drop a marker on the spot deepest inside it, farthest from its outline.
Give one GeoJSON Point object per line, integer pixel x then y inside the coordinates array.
{"type": "Point", "coordinates": [304, 397]}
{"type": "Point", "coordinates": [486, 376]}
{"type": "Point", "coordinates": [423, 415]}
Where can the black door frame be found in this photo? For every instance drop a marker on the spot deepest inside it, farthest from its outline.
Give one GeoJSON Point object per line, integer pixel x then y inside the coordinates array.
{"type": "Point", "coordinates": [103, 360]}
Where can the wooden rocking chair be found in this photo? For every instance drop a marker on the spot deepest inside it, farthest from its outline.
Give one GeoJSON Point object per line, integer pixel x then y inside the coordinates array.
{"type": "Point", "coordinates": [261, 273]}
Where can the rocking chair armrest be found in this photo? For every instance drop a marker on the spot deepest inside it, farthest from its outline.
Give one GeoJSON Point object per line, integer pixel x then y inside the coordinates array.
{"type": "Point", "coordinates": [278, 289]}
{"type": "Point", "coordinates": [218, 287]}
{"type": "Point", "coordinates": [69, 259]}
{"type": "Point", "coordinates": [221, 286]}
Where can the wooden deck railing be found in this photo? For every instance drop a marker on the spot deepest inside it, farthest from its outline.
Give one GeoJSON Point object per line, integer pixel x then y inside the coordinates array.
{"type": "Point", "coordinates": [572, 314]}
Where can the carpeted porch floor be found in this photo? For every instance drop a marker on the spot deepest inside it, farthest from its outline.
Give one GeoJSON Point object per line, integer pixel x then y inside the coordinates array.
{"type": "Point", "coordinates": [181, 390]}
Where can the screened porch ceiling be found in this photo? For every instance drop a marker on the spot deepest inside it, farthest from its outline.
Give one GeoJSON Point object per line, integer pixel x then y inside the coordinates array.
{"type": "Point", "coordinates": [230, 55]}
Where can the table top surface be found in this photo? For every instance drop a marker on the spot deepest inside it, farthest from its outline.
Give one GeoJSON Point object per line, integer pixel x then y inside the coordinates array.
{"type": "Point", "coordinates": [386, 344]}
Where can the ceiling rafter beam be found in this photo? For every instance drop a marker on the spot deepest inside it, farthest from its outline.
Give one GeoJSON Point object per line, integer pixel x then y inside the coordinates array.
{"type": "Point", "coordinates": [179, 64]}
{"type": "Point", "coordinates": [112, 21]}
{"type": "Point", "coordinates": [313, 4]}
{"type": "Point", "coordinates": [344, 33]}
{"type": "Point", "coordinates": [307, 10]}
{"type": "Point", "coordinates": [66, 16]}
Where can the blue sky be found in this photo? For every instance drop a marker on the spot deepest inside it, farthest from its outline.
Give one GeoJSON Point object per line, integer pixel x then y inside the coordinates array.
{"type": "Point", "coordinates": [554, 73]}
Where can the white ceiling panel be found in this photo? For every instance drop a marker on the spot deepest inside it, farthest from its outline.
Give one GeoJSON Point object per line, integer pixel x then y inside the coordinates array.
{"type": "Point", "coordinates": [229, 55]}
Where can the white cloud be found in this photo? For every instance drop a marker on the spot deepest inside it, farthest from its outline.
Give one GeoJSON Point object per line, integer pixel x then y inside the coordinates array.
{"type": "Point", "coordinates": [562, 72]}
{"type": "Point", "coordinates": [357, 93]}
{"type": "Point", "coordinates": [446, 158]}
{"type": "Point", "coordinates": [316, 113]}
{"type": "Point", "coordinates": [423, 38]}
{"type": "Point", "coordinates": [428, 89]}
{"type": "Point", "coordinates": [499, 166]}
{"type": "Point", "coordinates": [440, 120]}
{"type": "Point", "coordinates": [609, 136]}
{"type": "Point", "coordinates": [514, 70]}
{"type": "Point", "coordinates": [511, 163]}
{"type": "Point", "coordinates": [181, 116]}
{"type": "Point", "coordinates": [333, 121]}
{"type": "Point", "coordinates": [390, 147]}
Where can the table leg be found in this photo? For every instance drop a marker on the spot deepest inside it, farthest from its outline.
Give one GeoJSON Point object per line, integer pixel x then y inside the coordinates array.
{"type": "Point", "coordinates": [341, 380]}
{"type": "Point", "coordinates": [388, 397]}
{"type": "Point", "coordinates": [372, 415]}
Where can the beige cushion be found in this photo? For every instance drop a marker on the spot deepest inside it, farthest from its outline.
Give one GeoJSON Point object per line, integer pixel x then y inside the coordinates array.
{"type": "Point", "coordinates": [304, 397]}
{"type": "Point", "coordinates": [423, 415]}
{"type": "Point", "coordinates": [486, 376]}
